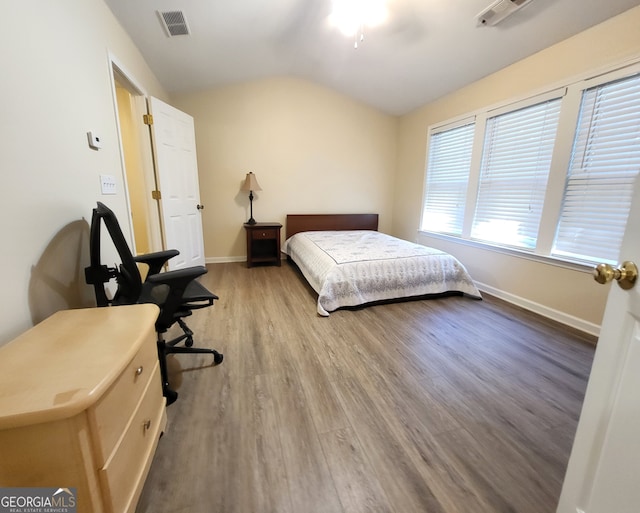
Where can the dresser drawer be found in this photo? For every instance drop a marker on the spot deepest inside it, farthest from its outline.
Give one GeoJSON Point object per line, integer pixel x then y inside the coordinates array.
{"type": "Point", "coordinates": [267, 233]}
{"type": "Point", "coordinates": [126, 469]}
{"type": "Point", "coordinates": [111, 413]}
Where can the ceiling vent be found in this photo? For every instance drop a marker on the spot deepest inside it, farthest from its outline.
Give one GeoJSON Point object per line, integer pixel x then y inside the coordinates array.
{"type": "Point", "coordinates": [174, 23]}
{"type": "Point", "coordinates": [499, 10]}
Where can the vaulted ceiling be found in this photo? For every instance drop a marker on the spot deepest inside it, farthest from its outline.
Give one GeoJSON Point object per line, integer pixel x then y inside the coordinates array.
{"type": "Point", "coordinates": [425, 49]}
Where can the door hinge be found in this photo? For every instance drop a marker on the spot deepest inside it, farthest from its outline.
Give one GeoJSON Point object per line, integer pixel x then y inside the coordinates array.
{"type": "Point", "coordinates": [156, 195]}
{"type": "Point", "coordinates": [148, 119]}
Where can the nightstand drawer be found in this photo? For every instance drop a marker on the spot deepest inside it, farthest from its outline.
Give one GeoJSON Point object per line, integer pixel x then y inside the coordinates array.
{"type": "Point", "coordinates": [111, 413]}
{"type": "Point", "coordinates": [266, 233]}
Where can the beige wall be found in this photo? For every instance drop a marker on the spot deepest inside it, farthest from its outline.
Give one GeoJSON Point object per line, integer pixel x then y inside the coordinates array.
{"type": "Point", "coordinates": [312, 150]}
{"type": "Point", "coordinates": [566, 294]}
{"type": "Point", "coordinates": [56, 87]}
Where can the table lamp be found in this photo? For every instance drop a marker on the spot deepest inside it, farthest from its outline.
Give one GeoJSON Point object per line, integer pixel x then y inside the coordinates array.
{"type": "Point", "coordinates": [251, 184]}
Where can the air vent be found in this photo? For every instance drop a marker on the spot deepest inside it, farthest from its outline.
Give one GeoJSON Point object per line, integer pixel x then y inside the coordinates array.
{"type": "Point", "coordinates": [174, 23]}
{"type": "Point", "coordinates": [499, 10]}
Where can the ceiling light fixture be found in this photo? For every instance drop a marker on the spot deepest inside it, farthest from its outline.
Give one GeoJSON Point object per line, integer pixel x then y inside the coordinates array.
{"type": "Point", "coordinates": [351, 16]}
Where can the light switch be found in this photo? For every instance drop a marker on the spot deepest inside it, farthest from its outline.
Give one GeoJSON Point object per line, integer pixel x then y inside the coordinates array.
{"type": "Point", "coordinates": [108, 184]}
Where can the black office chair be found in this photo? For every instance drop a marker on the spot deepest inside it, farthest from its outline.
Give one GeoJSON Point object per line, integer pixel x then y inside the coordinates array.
{"type": "Point", "coordinates": [177, 293]}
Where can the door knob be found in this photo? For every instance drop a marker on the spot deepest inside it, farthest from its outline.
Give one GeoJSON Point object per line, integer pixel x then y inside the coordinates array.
{"type": "Point", "coordinates": [625, 275]}
{"type": "Point", "coordinates": [200, 207]}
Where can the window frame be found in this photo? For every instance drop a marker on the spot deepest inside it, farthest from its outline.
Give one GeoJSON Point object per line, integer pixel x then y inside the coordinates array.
{"type": "Point", "coordinates": [571, 96]}
{"type": "Point", "coordinates": [623, 177]}
{"type": "Point", "coordinates": [535, 101]}
{"type": "Point", "coordinates": [451, 125]}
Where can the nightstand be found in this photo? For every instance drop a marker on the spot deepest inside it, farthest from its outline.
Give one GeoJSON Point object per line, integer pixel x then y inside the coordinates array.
{"type": "Point", "coordinates": [263, 243]}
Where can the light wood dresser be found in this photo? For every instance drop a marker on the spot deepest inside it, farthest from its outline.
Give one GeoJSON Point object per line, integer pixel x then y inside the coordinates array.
{"type": "Point", "coordinates": [81, 405]}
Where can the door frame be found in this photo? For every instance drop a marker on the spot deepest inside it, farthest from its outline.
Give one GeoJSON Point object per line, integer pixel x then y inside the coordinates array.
{"type": "Point", "coordinates": [117, 72]}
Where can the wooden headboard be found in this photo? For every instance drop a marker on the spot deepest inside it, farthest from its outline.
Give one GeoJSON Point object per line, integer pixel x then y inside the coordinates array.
{"type": "Point", "coordinates": [319, 222]}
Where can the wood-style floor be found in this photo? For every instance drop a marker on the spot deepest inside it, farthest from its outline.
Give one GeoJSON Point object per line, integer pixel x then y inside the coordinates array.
{"type": "Point", "coordinates": [445, 405]}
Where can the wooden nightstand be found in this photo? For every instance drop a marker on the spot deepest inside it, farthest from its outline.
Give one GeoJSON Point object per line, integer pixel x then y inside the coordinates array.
{"type": "Point", "coordinates": [263, 243]}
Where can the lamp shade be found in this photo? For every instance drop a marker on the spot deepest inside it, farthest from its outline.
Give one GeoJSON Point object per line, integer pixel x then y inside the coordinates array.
{"type": "Point", "coordinates": [251, 183]}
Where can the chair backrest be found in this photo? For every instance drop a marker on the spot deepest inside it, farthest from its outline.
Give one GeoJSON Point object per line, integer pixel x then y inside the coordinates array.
{"type": "Point", "coordinates": [127, 274]}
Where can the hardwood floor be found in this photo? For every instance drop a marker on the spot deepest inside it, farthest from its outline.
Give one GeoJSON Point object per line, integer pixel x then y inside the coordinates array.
{"type": "Point", "coordinates": [445, 405]}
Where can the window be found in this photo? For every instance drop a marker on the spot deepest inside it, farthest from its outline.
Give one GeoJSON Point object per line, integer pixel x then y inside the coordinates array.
{"type": "Point", "coordinates": [552, 176]}
{"type": "Point", "coordinates": [447, 177]}
{"type": "Point", "coordinates": [604, 165]}
{"type": "Point", "coordinates": [513, 174]}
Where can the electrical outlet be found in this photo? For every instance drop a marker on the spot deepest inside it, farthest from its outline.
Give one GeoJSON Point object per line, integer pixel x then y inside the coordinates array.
{"type": "Point", "coordinates": [108, 184]}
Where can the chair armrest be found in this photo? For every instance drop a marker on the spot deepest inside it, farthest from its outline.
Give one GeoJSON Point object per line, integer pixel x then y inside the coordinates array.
{"type": "Point", "coordinates": [178, 278]}
{"type": "Point", "coordinates": [156, 260]}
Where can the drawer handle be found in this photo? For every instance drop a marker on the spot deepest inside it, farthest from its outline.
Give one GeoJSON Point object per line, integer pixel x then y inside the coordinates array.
{"type": "Point", "coordinates": [147, 425]}
{"type": "Point", "coordinates": [139, 370]}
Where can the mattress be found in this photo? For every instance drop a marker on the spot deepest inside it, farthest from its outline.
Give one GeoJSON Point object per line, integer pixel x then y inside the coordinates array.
{"type": "Point", "coordinates": [351, 268]}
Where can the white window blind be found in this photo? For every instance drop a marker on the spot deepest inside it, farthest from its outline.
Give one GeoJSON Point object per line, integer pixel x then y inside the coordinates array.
{"type": "Point", "coordinates": [604, 165]}
{"type": "Point", "coordinates": [515, 166]}
{"type": "Point", "coordinates": [449, 160]}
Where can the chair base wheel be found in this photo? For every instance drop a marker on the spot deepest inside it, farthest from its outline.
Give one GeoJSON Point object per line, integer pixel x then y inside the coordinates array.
{"type": "Point", "coordinates": [217, 358]}
{"type": "Point", "coordinates": [170, 395]}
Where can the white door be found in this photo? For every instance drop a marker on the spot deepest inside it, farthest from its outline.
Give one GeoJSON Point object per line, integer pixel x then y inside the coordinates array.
{"type": "Point", "coordinates": [174, 143]}
{"type": "Point", "coordinates": [603, 475]}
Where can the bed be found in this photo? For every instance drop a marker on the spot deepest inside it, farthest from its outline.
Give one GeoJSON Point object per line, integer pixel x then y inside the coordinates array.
{"type": "Point", "coordinates": [349, 263]}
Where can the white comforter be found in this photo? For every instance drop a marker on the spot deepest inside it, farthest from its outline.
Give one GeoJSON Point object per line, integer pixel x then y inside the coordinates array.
{"type": "Point", "coordinates": [349, 268]}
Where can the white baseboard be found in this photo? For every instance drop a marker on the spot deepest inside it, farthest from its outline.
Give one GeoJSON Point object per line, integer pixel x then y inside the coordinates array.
{"type": "Point", "coordinates": [224, 260]}
{"type": "Point", "coordinates": [550, 313]}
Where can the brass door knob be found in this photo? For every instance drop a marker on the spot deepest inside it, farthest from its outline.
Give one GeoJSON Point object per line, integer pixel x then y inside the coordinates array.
{"type": "Point", "coordinates": [625, 275]}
